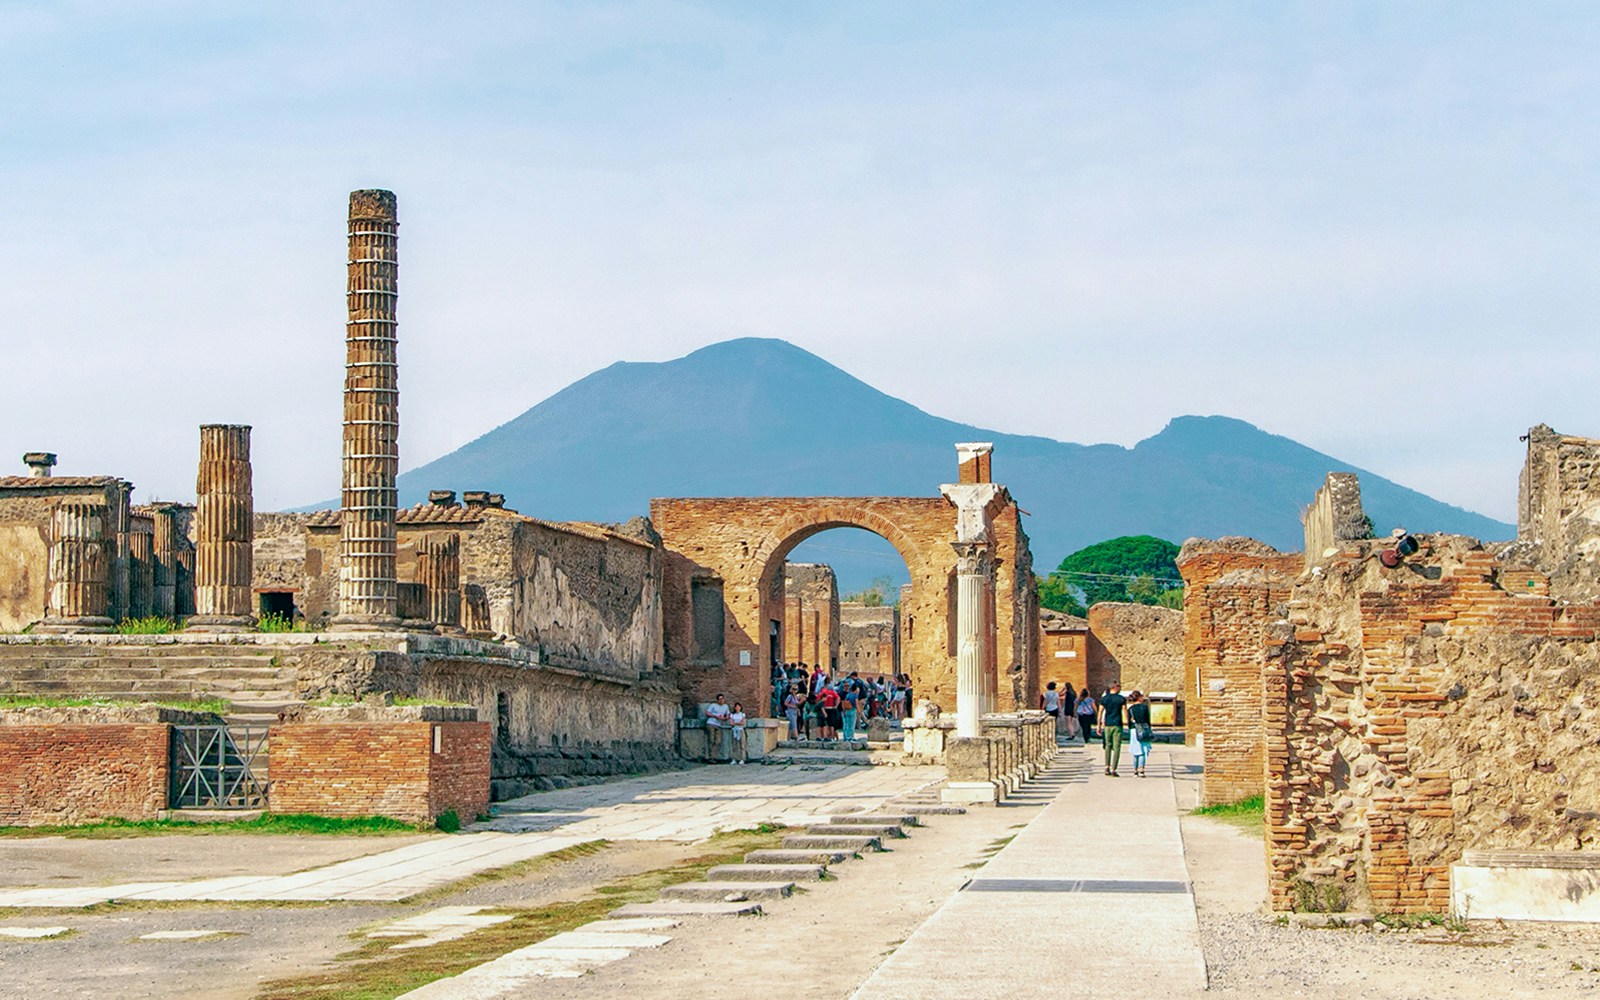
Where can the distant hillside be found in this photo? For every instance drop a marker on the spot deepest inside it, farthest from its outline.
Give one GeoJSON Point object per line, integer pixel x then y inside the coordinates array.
{"type": "Point", "coordinates": [764, 418]}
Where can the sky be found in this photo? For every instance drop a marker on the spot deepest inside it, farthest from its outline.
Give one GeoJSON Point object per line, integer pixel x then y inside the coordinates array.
{"type": "Point", "coordinates": [1369, 227]}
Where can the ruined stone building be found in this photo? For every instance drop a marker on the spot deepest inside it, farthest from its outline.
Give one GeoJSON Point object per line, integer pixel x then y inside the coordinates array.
{"type": "Point", "coordinates": [810, 632]}
{"type": "Point", "coordinates": [1063, 650]}
{"type": "Point", "coordinates": [580, 645]}
{"type": "Point", "coordinates": [1413, 707]}
{"type": "Point", "coordinates": [869, 639]}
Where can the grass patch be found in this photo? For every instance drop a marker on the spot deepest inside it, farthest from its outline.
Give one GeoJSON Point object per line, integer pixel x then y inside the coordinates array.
{"type": "Point", "coordinates": [153, 625]}
{"type": "Point", "coordinates": [266, 823]}
{"type": "Point", "coordinates": [511, 871]}
{"type": "Point", "coordinates": [374, 971]}
{"type": "Point", "coordinates": [218, 706]}
{"type": "Point", "coordinates": [1248, 815]}
{"type": "Point", "coordinates": [1421, 921]}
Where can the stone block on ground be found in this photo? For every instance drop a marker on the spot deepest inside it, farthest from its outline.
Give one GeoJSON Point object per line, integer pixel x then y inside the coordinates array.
{"type": "Point", "coordinates": [765, 873]}
{"type": "Point", "coordinates": [856, 829]}
{"type": "Point", "coordinates": [718, 892]}
{"type": "Point", "coordinates": [687, 908]}
{"type": "Point", "coordinates": [854, 842]}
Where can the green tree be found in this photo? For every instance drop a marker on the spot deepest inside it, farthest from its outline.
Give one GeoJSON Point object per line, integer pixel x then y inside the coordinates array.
{"type": "Point", "coordinates": [880, 593]}
{"type": "Point", "coordinates": [1055, 594]}
{"type": "Point", "coordinates": [1138, 568]}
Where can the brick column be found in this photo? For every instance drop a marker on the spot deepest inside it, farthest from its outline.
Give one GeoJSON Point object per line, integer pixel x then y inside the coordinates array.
{"type": "Point", "coordinates": [439, 570]}
{"type": "Point", "coordinates": [80, 561]}
{"type": "Point", "coordinates": [224, 531]}
{"type": "Point", "coordinates": [368, 589]}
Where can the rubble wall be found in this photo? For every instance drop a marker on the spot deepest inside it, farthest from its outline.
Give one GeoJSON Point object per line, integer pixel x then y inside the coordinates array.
{"type": "Point", "coordinates": [1416, 712]}
{"type": "Point", "coordinates": [1139, 646]}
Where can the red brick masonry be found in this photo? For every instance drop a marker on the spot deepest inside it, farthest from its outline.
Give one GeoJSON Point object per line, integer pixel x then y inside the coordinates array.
{"type": "Point", "coordinates": [381, 769]}
{"type": "Point", "coordinates": [75, 773]}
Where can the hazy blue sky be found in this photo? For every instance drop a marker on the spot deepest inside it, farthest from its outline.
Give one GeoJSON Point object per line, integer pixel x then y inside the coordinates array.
{"type": "Point", "coordinates": [1371, 227]}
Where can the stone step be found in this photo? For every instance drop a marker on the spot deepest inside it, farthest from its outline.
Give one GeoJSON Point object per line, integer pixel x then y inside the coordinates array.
{"type": "Point", "coordinates": [687, 908]}
{"type": "Point", "coordinates": [717, 892]}
{"type": "Point", "coordinates": [766, 873]}
{"type": "Point", "coordinates": [856, 829]}
{"type": "Point", "coordinates": [875, 819]}
{"type": "Point", "coordinates": [839, 745]}
{"type": "Point", "coordinates": [812, 842]}
{"type": "Point", "coordinates": [779, 856]}
{"type": "Point", "coordinates": [780, 759]}
{"type": "Point", "coordinates": [936, 810]}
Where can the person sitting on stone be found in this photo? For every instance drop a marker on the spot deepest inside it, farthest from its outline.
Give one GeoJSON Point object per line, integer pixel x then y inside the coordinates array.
{"type": "Point", "coordinates": [717, 727]}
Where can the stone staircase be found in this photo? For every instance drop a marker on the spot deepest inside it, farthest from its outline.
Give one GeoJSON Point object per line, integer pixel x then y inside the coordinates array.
{"type": "Point", "coordinates": [258, 688]}
{"type": "Point", "coordinates": [809, 856]}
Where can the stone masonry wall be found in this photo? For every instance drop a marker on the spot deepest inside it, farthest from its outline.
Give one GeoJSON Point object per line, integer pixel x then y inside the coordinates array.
{"type": "Point", "coordinates": [810, 615]}
{"type": "Point", "coordinates": [1335, 515]}
{"type": "Point", "coordinates": [1558, 512]}
{"type": "Point", "coordinates": [1417, 712]}
{"type": "Point", "coordinates": [868, 639]}
{"type": "Point", "coordinates": [1233, 591]}
{"type": "Point", "coordinates": [1139, 646]}
{"type": "Point", "coordinates": [381, 768]}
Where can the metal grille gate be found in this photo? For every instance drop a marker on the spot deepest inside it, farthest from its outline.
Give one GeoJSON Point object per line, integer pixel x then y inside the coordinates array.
{"type": "Point", "coordinates": [219, 767]}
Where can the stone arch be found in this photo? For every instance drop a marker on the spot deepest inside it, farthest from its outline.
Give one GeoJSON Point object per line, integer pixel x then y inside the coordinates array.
{"type": "Point", "coordinates": [743, 542]}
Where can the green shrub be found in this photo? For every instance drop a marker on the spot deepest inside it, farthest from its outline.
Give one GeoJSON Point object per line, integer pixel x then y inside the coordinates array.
{"type": "Point", "coordinates": [448, 821]}
{"type": "Point", "coordinates": [272, 621]}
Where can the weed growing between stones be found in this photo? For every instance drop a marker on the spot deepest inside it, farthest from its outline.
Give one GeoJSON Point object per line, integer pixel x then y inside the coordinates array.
{"type": "Point", "coordinates": [216, 706]}
{"type": "Point", "coordinates": [152, 625]}
{"type": "Point", "coordinates": [1248, 815]}
{"type": "Point", "coordinates": [266, 823]}
{"type": "Point", "coordinates": [1320, 897]}
{"type": "Point", "coordinates": [373, 971]}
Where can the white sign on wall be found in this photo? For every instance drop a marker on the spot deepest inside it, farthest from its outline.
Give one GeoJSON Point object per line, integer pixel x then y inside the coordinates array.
{"type": "Point", "coordinates": [1066, 654]}
{"type": "Point", "coordinates": [744, 657]}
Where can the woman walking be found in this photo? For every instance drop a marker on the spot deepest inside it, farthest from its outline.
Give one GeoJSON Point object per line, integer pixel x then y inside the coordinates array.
{"type": "Point", "coordinates": [1140, 735]}
{"type": "Point", "coordinates": [1086, 713]}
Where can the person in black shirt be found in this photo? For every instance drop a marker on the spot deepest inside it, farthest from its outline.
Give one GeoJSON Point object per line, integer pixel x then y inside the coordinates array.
{"type": "Point", "coordinates": [1112, 724]}
{"type": "Point", "coordinates": [1140, 734]}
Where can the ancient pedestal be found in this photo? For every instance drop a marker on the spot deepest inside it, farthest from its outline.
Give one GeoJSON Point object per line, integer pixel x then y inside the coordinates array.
{"type": "Point", "coordinates": [969, 763]}
{"type": "Point", "coordinates": [439, 570]}
{"type": "Point", "coordinates": [224, 532]}
{"type": "Point", "coordinates": [368, 588]}
{"type": "Point", "coordinates": [79, 563]}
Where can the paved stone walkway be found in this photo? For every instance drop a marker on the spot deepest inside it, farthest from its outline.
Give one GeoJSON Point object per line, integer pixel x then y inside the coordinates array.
{"type": "Point", "coordinates": [1092, 898]}
{"type": "Point", "coordinates": [679, 805]}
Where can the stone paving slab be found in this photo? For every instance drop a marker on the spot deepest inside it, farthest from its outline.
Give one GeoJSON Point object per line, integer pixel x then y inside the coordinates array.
{"type": "Point", "coordinates": [680, 806]}
{"type": "Point", "coordinates": [1114, 832]}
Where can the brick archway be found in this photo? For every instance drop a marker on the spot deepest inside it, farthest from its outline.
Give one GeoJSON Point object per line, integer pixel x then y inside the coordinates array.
{"type": "Point", "coordinates": [741, 544]}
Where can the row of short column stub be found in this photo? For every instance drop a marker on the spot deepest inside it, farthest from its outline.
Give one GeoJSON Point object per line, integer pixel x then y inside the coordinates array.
{"type": "Point", "coordinates": [1334, 516]}
{"type": "Point", "coordinates": [1012, 748]}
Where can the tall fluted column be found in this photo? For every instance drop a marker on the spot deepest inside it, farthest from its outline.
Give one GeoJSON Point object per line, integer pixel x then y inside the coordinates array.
{"type": "Point", "coordinates": [973, 566]}
{"type": "Point", "coordinates": [224, 531]}
{"type": "Point", "coordinates": [439, 570]}
{"type": "Point", "coordinates": [141, 573]}
{"type": "Point", "coordinates": [164, 544]}
{"type": "Point", "coordinates": [80, 561]}
{"type": "Point", "coordinates": [368, 591]}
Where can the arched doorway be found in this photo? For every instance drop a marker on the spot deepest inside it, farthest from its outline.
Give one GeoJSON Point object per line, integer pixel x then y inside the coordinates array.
{"type": "Point", "coordinates": [724, 569]}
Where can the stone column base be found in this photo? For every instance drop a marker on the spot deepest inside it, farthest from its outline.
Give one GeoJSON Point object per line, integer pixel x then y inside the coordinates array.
{"type": "Point", "coordinates": [364, 623]}
{"type": "Point", "coordinates": [219, 623]}
{"type": "Point", "coordinates": [419, 625]}
{"type": "Point", "coordinates": [970, 793]}
{"type": "Point", "coordinates": [72, 626]}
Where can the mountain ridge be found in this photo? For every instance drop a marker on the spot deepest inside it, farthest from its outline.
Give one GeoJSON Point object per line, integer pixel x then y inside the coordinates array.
{"type": "Point", "coordinates": [762, 417]}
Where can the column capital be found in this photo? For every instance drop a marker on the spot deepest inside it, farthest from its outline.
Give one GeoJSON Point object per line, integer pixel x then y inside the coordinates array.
{"type": "Point", "coordinates": [972, 502]}
{"type": "Point", "coordinates": [974, 558]}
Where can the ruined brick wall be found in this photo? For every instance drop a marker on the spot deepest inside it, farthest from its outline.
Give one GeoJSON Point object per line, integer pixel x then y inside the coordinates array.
{"type": "Point", "coordinates": [1558, 512]}
{"type": "Point", "coordinates": [1063, 651]}
{"type": "Point", "coordinates": [1016, 611]}
{"type": "Point", "coordinates": [65, 774]}
{"type": "Point", "coordinates": [743, 542]}
{"type": "Point", "coordinates": [811, 615]}
{"type": "Point", "coordinates": [1335, 516]}
{"type": "Point", "coordinates": [1139, 646]}
{"type": "Point", "coordinates": [380, 768]}
{"type": "Point", "coordinates": [1234, 589]}
{"type": "Point", "coordinates": [1417, 712]}
{"type": "Point", "coordinates": [868, 639]}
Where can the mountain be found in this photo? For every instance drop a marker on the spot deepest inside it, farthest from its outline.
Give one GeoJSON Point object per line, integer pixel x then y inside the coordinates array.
{"type": "Point", "coordinates": [757, 417]}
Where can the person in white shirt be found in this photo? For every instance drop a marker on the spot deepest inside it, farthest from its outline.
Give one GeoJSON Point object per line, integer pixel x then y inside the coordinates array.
{"type": "Point", "coordinates": [736, 720]}
{"type": "Point", "coordinates": [716, 725]}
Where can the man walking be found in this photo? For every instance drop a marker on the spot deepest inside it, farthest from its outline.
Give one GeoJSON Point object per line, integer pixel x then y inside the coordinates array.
{"type": "Point", "coordinates": [1113, 711]}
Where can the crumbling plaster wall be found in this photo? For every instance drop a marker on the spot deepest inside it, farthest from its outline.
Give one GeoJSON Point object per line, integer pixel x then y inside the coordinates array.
{"type": "Point", "coordinates": [1558, 512]}
{"type": "Point", "coordinates": [1417, 712]}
